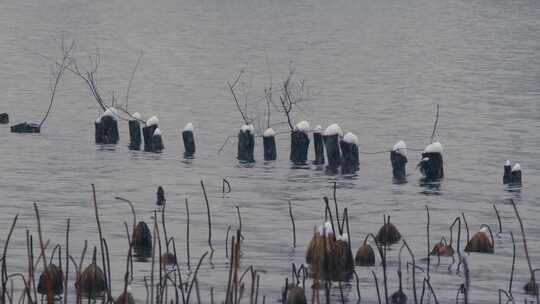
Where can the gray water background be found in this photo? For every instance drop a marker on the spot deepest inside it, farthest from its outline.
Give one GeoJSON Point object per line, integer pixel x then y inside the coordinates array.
{"type": "Point", "coordinates": [378, 68]}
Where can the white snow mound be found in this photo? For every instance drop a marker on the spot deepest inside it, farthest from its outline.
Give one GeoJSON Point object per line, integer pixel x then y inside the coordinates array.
{"type": "Point", "coordinates": [344, 237]}
{"type": "Point", "coordinates": [302, 126]}
{"type": "Point", "coordinates": [326, 229]}
{"type": "Point", "coordinates": [485, 230]}
{"type": "Point", "coordinates": [435, 147]}
{"type": "Point", "coordinates": [401, 148]}
{"type": "Point", "coordinates": [249, 128]}
{"type": "Point", "coordinates": [188, 127]}
{"type": "Point", "coordinates": [350, 138]}
{"type": "Point", "coordinates": [111, 112]}
{"type": "Point", "coordinates": [269, 132]}
{"type": "Point", "coordinates": [152, 121]}
{"type": "Point", "coordinates": [333, 129]}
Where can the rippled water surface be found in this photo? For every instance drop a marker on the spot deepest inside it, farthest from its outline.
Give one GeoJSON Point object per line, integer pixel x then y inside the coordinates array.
{"type": "Point", "coordinates": [378, 68]}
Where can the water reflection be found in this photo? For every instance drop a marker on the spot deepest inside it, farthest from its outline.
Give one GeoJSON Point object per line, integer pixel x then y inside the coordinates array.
{"type": "Point", "coordinates": [430, 187]}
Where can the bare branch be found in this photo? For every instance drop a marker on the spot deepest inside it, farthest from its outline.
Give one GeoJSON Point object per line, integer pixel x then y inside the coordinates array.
{"type": "Point", "coordinates": [131, 78]}
{"type": "Point", "coordinates": [58, 72]}
{"type": "Point", "coordinates": [231, 88]}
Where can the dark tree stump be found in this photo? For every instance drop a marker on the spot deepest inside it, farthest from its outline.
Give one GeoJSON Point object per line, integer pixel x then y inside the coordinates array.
{"type": "Point", "coordinates": [157, 141]}
{"type": "Point", "coordinates": [106, 130]}
{"type": "Point", "coordinates": [333, 153]}
{"type": "Point", "coordinates": [4, 118]}
{"type": "Point", "coordinates": [189, 140]}
{"type": "Point", "coordinates": [516, 175]}
{"type": "Point", "coordinates": [299, 147]}
{"type": "Point", "coordinates": [269, 145]}
{"type": "Point", "coordinates": [431, 166]}
{"type": "Point", "coordinates": [399, 165]}
{"type": "Point", "coordinates": [26, 127]}
{"type": "Point", "coordinates": [507, 177]}
{"type": "Point", "coordinates": [148, 132]}
{"type": "Point", "coordinates": [350, 158]}
{"type": "Point", "coordinates": [134, 135]}
{"type": "Point", "coordinates": [246, 145]}
{"type": "Point", "coordinates": [318, 144]}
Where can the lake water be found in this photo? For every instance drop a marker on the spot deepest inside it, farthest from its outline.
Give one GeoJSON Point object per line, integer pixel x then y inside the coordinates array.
{"type": "Point", "coordinates": [378, 68]}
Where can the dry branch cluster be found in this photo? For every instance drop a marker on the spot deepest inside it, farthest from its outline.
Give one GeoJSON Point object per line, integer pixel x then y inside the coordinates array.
{"type": "Point", "coordinates": [329, 258]}
{"type": "Point", "coordinates": [291, 94]}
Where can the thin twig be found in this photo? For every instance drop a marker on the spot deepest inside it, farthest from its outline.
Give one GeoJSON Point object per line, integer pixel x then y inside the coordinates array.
{"type": "Point", "coordinates": [513, 263]}
{"type": "Point", "coordinates": [498, 218]}
{"type": "Point", "coordinates": [231, 88]}
{"type": "Point", "coordinates": [66, 54]}
{"type": "Point", "coordinates": [48, 280]}
{"type": "Point", "coordinates": [66, 279]}
{"type": "Point", "coordinates": [100, 237]}
{"type": "Point", "coordinates": [131, 78]}
{"type": "Point", "coordinates": [293, 225]}
{"type": "Point", "coordinates": [209, 217]}
{"type": "Point", "coordinates": [4, 264]}
{"type": "Point", "coordinates": [428, 242]}
{"type": "Point", "coordinates": [187, 234]}
{"type": "Point", "coordinates": [435, 124]}
{"type": "Point", "coordinates": [533, 279]}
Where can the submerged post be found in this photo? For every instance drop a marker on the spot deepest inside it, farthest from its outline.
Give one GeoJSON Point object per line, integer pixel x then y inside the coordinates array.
{"type": "Point", "coordinates": [4, 118]}
{"type": "Point", "coordinates": [398, 158]}
{"type": "Point", "coordinates": [157, 141]}
{"type": "Point", "coordinates": [189, 140]}
{"type": "Point", "coordinates": [318, 145]}
{"type": "Point", "coordinates": [148, 132]}
{"type": "Point", "coordinates": [331, 137]}
{"type": "Point", "coordinates": [300, 143]}
{"type": "Point", "coordinates": [269, 144]}
{"type": "Point", "coordinates": [135, 132]}
{"type": "Point", "coordinates": [246, 144]}
{"type": "Point", "coordinates": [350, 157]}
{"type": "Point", "coordinates": [507, 177]}
{"type": "Point", "coordinates": [431, 165]}
{"type": "Point", "coordinates": [107, 128]}
{"type": "Point", "coordinates": [516, 174]}
{"type": "Point", "coordinates": [25, 127]}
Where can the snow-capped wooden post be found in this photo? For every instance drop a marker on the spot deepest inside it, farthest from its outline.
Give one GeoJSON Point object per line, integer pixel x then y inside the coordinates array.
{"type": "Point", "coordinates": [300, 143]}
{"type": "Point", "coordinates": [157, 141]}
{"type": "Point", "coordinates": [246, 144]}
{"type": "Point", "coordinates": [398, 158]}
{"type": "Point", "coordinates": [135, 132]}
{"type": "Point", "coordinates": [512, 175]}
{"type": "Point", "coordinates": [318, 145]}
{"type": "Point", "coordinates": [107, 128]}
{"type": "Point", "coordinates": [516, 174]}
{"type": "Point", "coordinates": [189, 140]}
{"type": "Point", "coordinates": [431, 165]}
{"type": "Point", "coordinates": [148, 132]}
{"type": "Point", "coordinates": [507, 177]}
{"type": "Point", "coordinates": [349, 152]}
{"type": "Point", "coordinates": [4, 118]}
{"type": "Point", "coordinates": [331, 143]}
{"type": "Point", "coordinates": [98, 131]}
{"type": "Point", "coordinates": [269, 144]}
